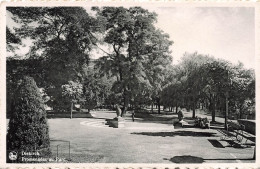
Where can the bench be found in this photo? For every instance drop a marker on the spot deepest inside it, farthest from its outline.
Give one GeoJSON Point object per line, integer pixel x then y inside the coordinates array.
{"type": "Point", "coordinates": [237, 132]}
{"type": "Point", "coordinates": [227, 135]}
{"type": "Point", "coordinates": [239, 129]}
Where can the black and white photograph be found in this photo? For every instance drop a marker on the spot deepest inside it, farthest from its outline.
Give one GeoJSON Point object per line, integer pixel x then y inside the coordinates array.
{"type": "Point", "coordinates": [129, 84]}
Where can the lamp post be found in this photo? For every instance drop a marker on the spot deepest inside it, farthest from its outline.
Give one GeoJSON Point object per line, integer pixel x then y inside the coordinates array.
{"type": "Point", "coordinates": [226, 98]}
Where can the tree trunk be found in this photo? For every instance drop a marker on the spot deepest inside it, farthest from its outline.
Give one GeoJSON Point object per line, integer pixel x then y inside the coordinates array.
{"type": "Point", "coordinates": [193, 108]}
{"type": "Point", "coordinates": [125, 104]}
{"type": "Point", "coordinates": [176, 109]}
{"type": "Point", "coordinates": [152, 107]}
{"type": "Point", "coordinates": [71, 108]}
{"type": "Point", "coordinates": [213, 109]}
{"type": "Point", "coordinates": [124, 109]}
{"type": "Point", "coordinates": [209, 104]}
{"type": "Point", "coordinates": [226, 113]}
{"type": "Point", "coordinates": [159, 108]}
{"type": "Point", "coordinates": [240, 112]}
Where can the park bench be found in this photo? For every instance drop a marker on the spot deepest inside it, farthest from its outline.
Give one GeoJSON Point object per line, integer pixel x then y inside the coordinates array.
{"type": "Point", "coordinates": [236, 132]}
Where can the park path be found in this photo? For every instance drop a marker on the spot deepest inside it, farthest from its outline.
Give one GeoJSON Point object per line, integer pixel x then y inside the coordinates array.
{"type": "Point", "coordinates": [142, 123]}
{"type": "Point", "coordinates": [143, 141]}
{"type": "Point", "coordinates": [139, 123]}
{"type": "Point", "coordinates": [142, 145]}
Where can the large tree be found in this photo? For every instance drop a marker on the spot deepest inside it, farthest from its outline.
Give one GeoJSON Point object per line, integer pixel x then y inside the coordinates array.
{"type": "Point", "coordinates": [62, 39]}
{"type": "Point", "coordinates": [134, 41]}
{"type": "Point", "coordinates": [193, 66]}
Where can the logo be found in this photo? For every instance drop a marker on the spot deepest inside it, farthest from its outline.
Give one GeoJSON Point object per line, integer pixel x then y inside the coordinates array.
{"type": "Point", "coordinates": [13, 155]}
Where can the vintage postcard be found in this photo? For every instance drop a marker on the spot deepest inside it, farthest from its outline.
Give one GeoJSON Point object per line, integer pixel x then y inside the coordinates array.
{"type": "Point", "coordinates": [133, 84]}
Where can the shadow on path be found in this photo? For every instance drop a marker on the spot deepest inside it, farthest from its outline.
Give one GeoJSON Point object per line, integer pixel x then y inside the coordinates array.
{"type": "Point", "coordinates": [177, 133]}
{"type": "Point", "coordinates": [186, 159]}
{"type": "Point", "coordinates": [98, 118]}
{"type": "Point", "coordinates": [216, 143]}
{"type": "Point", "coordinates": [194, 159]}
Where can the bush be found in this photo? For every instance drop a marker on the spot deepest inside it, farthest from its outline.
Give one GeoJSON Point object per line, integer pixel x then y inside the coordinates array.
{"type": "Point", "coordinates": [28, 129]}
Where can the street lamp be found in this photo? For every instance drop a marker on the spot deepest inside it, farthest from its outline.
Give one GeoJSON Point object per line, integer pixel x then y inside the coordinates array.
{"type": "Point", "coordinates": [226, 98]}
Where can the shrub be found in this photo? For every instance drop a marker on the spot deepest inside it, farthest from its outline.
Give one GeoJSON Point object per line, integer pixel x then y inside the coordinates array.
{"type": "Point", "coordinates": [28, 129]}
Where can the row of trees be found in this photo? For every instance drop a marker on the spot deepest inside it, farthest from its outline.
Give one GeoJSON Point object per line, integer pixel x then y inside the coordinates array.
{"type": "Point", "coordinates": [210, 83]}
{"type": "Point", "coordinates": [135, 68]}
{"type": "Point", "coordinates": [130, 70]}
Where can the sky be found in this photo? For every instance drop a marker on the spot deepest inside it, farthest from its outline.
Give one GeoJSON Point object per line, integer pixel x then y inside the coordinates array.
{"type": "Point", "coordinates": [222, 32]}
{"type": "Point", "coordinates": [227, 33]}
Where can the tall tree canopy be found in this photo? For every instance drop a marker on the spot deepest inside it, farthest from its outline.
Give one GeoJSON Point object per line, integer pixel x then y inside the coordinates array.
{"type": "Point", "coordinates": [203, 80]}
{"type": "Point", "coordinates": [136, 68]}
{"type": "Point", "coordinates": [138, 47]}
{"type": "Point", "coordinates": [62, 39]}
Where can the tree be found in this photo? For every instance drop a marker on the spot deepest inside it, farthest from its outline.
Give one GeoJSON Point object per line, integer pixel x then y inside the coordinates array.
{"type": "Point", "coordinates": [96, 87]}
{"type": "Point", "coordinates": [242, 90]}
{"type": "Point", "coordinates": [158, 65]}
{"type": "Point", "coordinates": [217, 79]}
{"type": "Point", "coordinates": [134, 40]}
{"type": "Point", "coordinates": [28, 129]}
{"type": "Point", "coordinates": [184, 83]}
{"type": "Point", "coordinates": [62, 39]}
{"type": "Point", "coordinates": [73, 92]}
{"type": "Point", "coordinates": [216, 84]}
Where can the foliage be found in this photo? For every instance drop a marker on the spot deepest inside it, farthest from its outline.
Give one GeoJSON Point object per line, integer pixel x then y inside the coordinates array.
{"type": "Point", "coordinates": [135, 71]}
{"type": "Point", "coordinates": [208, 81]}
{"type": "Point", "coordinates": [72, 91]}
{"type": "Point", "coordinates": [28, 129]}
{"type": "Point", "coordinates": [135, 42]}
{"type": "Point", "coordinates": [96, 88]}
{"type": "Point", "coordinates": [62, 37]}
{"type": "Point", "coordinates": [11, 40]}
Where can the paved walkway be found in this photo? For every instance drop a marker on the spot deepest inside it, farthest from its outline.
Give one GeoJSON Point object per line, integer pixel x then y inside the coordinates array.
{"type": "Point", "coordinates": [100, 117]}
{"type": "Point", "coordinates": [143, 142]}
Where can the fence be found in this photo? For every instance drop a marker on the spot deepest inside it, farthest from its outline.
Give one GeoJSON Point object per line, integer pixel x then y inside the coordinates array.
{"type": "Point", "coordinates": [60, 149]}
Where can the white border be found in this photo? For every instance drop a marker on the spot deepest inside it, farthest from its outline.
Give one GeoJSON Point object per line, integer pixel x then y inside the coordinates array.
{"type": "Point", "coordinates": [147, 3]}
